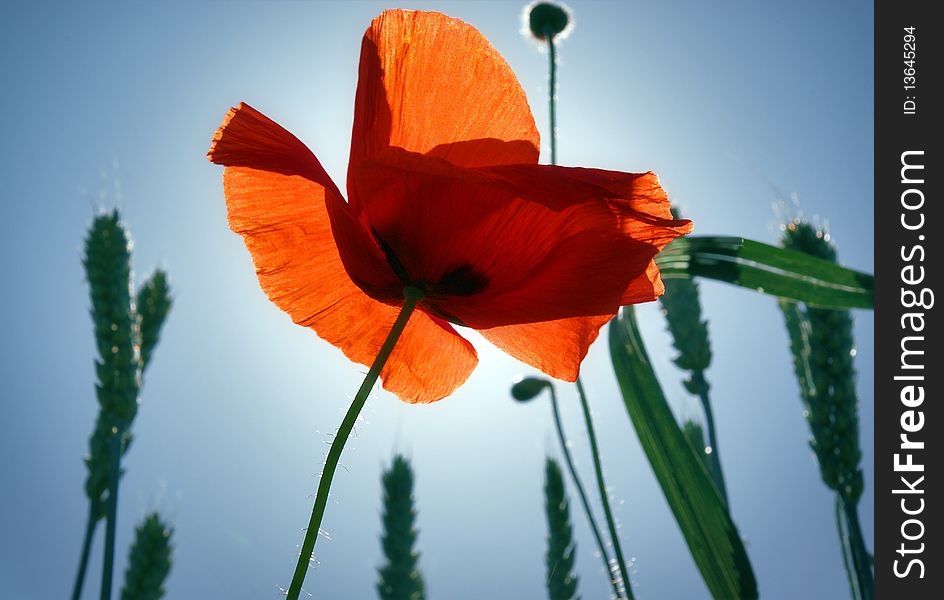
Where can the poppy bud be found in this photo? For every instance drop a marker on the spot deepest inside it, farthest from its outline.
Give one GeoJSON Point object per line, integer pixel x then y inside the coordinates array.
{"type": "Point", "coordinates": [527, 388]}
{"type": "Point", "coordinates": [547, 19]}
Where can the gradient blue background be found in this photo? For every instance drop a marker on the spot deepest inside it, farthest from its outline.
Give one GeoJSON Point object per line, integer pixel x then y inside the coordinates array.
{"type": "Point", "coordinates": [114, 105]}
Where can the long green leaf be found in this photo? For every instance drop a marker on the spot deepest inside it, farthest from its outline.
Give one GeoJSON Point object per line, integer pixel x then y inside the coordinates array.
{"type": "Point", "coordinates": [712, 537]}
{"type": "Point", "coordinates": [768, 269]}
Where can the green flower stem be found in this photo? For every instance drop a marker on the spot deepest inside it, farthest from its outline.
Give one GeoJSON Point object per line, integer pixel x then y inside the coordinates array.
{"type": "Point", "coordinates": [601, 546]}
{"type": "Point", "coordinates": [698, 379]}
{"type": "Point", "coordinates": [552, 102]}
{"type": "Point", "coordinates": [411, 297]}
{"type": "Point", "coordinates": [111, 512]}
{"type": "Point", "coordinates": [90, 526]}
{"type": "Point", "coordinates": [598, 468]}
{"type": "Point", "coordinates": [552, 93]}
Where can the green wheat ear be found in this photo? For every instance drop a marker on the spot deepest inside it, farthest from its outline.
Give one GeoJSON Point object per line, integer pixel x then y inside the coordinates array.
{"type": "Point", "coordinates": [127, 328]}
{"type": "Point", "coordinates": [399, 577]}
{"type": "Point", "coordinates": [126, 333]}
{"type": "Point", "coordinates": [107, 264]}
{"type": "Point", "coordinates": [117, 334]}
{"type": "Point", "coordinates": [153, 304]}
{"type": "Point", "coordinates": [561, 548]}
{"type": "Point", "coordinates": [681, 305]}
{"type": "Point", "coordinates": [682, 308]}
{"type": "Point", "coordinates": [149, 560]}
{"type": "Point", "coordinates": [823, 349]}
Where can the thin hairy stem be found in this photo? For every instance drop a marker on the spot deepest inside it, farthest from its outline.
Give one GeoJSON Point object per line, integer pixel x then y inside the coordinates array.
{"type": "Point", "coordinates": [604, 497]}
{"type": "Point", "coordinates": [601, 546]}
{"type": "Point", "coordinates": [627, 592]}
{"type": "Point", "coordinates": [552, 94]}
{"type": "Point", "coordinates": [411, 297]}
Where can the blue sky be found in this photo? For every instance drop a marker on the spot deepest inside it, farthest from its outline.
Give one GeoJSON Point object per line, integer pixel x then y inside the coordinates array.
{"type": "Point", "coordinates": [114, 104]}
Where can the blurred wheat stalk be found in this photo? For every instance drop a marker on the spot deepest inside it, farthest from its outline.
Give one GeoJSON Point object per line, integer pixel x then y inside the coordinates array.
{"type": "Point", "coordinates": [525, 390]}
{"type": "Point", "coordinates": [149, 560]}
{"type": "Point", "coordinates": [823, 348]}
{"type": "Point", "coordinates": [127, 328]}
{"type": "Point", "coordinates": [399, 577]}
{"type": "Point", "coordinates": [561, 547]}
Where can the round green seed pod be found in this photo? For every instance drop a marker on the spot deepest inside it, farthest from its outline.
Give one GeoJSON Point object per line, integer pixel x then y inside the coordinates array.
{"type": "Point", "coordinates": [547, 19]}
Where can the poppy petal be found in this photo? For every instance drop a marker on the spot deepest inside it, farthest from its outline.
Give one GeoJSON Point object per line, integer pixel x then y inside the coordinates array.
{"type": "Point", "coordinates": [289, 214]}
{"type": "Point", "coordinates": [434, 85]}
{"type": "Point", "coordinates": [429, 362]}
{"type": "Point", "coordinates": [521, 243]}
{"type": "Point", "coordinates": [288, 187]}
{"type": "Point", "coordinates": [300, 270]}
{"type": "Point", "coordinates": [554, 347]}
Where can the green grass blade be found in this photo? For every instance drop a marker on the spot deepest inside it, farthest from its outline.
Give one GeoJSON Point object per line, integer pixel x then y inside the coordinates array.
{"type": "Point", "coordinates": [768, 269]}
{"type": "Point", "coordinates": [695, 434]}
{"type": "Point", "coordinates": [712, 537]}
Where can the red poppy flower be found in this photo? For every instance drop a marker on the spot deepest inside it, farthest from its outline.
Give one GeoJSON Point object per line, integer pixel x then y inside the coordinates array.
{"type": "Point", "coordinates": [445, 195]}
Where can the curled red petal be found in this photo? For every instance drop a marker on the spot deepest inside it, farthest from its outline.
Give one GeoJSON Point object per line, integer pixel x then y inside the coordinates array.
{"type": "Point", "coordinates": [289, 214]}
{"type": "Point", "coordinates": [259, 199]}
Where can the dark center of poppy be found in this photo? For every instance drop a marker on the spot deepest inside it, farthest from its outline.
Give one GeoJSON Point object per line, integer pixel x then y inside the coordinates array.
{"type": "Point", "coordinates": [398, 269]}
{"type": "Point", "coordinates": [462, 280]}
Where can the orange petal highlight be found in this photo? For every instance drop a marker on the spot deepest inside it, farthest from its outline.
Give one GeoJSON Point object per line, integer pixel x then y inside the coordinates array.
{"type": "Point", "coordinates": [249, 139]}
{"type": "Point", "coordinates": [554, 347]}
{"type": "Point", "coordinates": [429, 362]}
{"type": "Point", "coordinates": [434, 85]}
